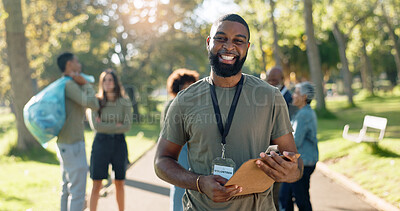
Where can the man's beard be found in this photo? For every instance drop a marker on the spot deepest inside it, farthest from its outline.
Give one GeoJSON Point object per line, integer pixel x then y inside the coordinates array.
{"type": "Point", "coordinates": [225, 70]}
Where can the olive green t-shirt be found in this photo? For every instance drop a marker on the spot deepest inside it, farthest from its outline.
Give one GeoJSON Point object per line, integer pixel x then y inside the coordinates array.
{"type": "Point", "coordinates": [119, 111]}
{"type": "Point", "coordinates": [77, 99]}
{"type": "Point", "coordinates": [261, 116]}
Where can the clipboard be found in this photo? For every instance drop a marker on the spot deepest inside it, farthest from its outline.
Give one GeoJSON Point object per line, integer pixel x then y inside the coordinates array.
{"type": "Point", "coordinates": [251, 178]}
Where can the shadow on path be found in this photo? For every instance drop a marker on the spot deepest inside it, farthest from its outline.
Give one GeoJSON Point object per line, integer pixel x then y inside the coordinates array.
{"type": "Point", "coordinates": [148, 187]}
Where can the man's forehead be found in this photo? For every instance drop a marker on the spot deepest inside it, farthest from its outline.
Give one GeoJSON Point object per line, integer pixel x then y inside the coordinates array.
{"type": "Point", "coordinates": [274, 72]}
{"type": "Point", "coordinates": [222, 26]}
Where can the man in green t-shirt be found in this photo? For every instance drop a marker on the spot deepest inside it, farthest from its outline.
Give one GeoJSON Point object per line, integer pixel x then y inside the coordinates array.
{"type": "Point", "coordinates": [79, 95]}
{"type": "Point", "coordinates": [226, 119]}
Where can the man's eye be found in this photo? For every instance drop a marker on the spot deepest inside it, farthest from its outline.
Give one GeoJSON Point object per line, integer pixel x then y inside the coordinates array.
{"type": "Point", "coordinates": [239, 41]}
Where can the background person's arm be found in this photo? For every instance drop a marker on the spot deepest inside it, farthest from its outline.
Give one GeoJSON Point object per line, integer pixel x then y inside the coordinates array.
{"type": "Point", "coordinates": [126, 123]}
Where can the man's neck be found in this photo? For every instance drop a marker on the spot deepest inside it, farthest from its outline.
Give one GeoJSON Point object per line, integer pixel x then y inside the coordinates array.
{"type": "Point", "coordinates": [68, 72]}
{"type": "Point", "coordinates": [225, 82]}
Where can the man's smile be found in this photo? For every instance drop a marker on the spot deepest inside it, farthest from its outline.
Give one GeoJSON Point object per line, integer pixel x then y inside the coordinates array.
{"type": "Point", "coordinates": [227, 58]}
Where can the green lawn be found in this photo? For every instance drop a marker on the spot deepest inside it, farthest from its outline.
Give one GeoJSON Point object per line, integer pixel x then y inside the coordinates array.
{"type": "Point", "coordinates": [375, 168]}
{"type": "Point", "coordinates": [32, 180]}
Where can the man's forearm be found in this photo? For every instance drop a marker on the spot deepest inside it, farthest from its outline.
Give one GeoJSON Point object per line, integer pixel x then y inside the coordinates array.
{"type": "Point", "coordinates": [172, 172]}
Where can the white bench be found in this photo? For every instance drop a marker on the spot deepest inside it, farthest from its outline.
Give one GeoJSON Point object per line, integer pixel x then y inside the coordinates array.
{"type": "Point", "coordinates": [378, 123]}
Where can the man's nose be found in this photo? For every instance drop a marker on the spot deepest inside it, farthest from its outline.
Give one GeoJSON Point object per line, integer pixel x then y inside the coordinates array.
{"type": "Point", "coordinates": [229, 45]}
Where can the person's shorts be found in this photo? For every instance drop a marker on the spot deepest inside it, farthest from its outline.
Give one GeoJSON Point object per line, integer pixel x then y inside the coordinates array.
{"type": "Point", "coordinates": [108, 149]}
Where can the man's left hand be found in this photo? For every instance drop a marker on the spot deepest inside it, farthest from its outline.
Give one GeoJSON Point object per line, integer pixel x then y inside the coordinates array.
{"type": "Point", "coordinates": [280, 169]}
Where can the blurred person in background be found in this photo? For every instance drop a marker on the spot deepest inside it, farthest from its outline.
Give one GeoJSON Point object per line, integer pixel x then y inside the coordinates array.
{"type": "Point", "coordinates": [71, 152]}
{"type": "Point", "coordinates": [275, 78]}
{"type": "Point", "coordinates": [111, 121]}
{"type": "Point", "coordinates": [178, 80]}
{"type": "Point", "coordinates": [305, 136]}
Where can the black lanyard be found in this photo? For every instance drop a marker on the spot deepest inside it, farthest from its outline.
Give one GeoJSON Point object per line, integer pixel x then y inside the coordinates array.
{"type": "Point", "coordinates": [217, 112]}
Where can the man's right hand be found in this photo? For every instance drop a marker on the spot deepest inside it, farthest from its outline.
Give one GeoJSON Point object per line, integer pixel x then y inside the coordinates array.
{"type": "Point", "coordinates": [212, 186]}
{"type": "Point", "coordinates": [77, 78]}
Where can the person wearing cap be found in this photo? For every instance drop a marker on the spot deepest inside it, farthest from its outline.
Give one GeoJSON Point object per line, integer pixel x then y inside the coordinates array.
{"type": "Point", "coordinates": [305, 136]}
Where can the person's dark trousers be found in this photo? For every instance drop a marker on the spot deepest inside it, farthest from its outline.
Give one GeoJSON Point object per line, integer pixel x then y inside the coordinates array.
{"type": "Point", "coordinates": [299, 190]}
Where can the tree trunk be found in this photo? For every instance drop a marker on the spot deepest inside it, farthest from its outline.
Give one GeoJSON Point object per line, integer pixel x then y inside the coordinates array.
{"type": "Point", "coordinates": [21, 82]}
{"type": "Point", "coordinates": [341, 41]}
{"type": "Point", "coordinates": [396, 42]}
{"type": "Point", "coordinates": [366, 70]}
{"type": "Point", "coordinates": [313, 56]}
{"type": "Point", "coordinates": [276, 38]}
{"type": "Point", "coordinates": [263, 56]}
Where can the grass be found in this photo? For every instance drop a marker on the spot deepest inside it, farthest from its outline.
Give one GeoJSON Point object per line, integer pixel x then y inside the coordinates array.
{"type": "Point", "coordinates": [31, 180]}
{"type": "Point", "coordinates": [371, 166]}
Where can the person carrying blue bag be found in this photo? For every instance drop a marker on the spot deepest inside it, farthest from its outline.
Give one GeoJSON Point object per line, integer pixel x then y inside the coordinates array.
{"type": "Point", "coordinates": [44, 113]}
{"type": "Point", "coordinates": [79, 95]}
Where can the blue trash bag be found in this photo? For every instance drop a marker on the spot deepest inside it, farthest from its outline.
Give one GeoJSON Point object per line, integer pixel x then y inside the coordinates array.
{"type": "Point", "coordinates": [44, 114]}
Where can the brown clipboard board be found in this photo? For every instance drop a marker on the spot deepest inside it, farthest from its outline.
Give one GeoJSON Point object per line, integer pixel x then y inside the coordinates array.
{"type": "Point", "coordinates": [251, 178]}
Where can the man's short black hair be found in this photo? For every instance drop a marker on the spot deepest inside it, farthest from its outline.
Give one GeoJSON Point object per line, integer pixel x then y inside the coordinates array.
{"type": "Point", "coordinates": [234, 18]}
{"type": "Point", "coordinates": [63, 59]}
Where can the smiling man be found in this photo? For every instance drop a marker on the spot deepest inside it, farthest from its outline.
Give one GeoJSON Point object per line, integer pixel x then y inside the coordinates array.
{"type": "Point", "coordinates": [226, 119]}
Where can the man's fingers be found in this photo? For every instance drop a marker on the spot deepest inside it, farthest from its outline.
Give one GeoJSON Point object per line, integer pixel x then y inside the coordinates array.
{"type": "Point", "coordinates": [267, 169]}
{"type": "Point", "coordinates": [273, 161]}
{"type": "Point", "coordinates": [233, 191]}
{"type": "Point", "coordinates": [227, 193]}
{"type": "Point", "coordinates": [220, 179]}
{"type": "Point", "coordinates": [291, 156]}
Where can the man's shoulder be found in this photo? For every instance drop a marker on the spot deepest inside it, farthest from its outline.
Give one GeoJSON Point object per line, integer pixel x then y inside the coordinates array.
{"type": "Point", "coordinates": [196, 88]}
{"type": "Point", "coordinates": [194, 93]}
{"type": "Point", "coordinates": [70, 84]}
{"type": "Point", "coordinates": [256, 83]}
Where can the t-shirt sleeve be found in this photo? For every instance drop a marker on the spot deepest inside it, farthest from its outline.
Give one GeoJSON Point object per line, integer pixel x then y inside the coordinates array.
{"type": "Point", "coordinates": [83, 95]}
{"type": "Point", "coordinates": [281, 122]}
{"type": "Point", "coordinates": [173, 129]}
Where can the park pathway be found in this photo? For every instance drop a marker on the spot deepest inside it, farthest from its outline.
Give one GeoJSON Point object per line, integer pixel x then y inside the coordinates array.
{"type": "Point", "coordinates": [145, 191]}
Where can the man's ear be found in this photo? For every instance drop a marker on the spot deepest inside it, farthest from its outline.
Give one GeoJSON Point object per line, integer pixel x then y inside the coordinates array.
{"type": "Point", "coordinates": [208, 41]}
{"type": "Point", "coordinates": [68, 64]}
{"type": "Point", "coordinates": [248, 45]}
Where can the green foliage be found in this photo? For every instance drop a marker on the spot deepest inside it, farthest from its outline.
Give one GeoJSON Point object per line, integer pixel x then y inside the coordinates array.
{"type": "Point", "coordinates": [365, 94]}
{"type": "Point", "coordinates": [396, 90]}
{"type": "Point", "coordinates": [290, 26]}
{"type": "Point", "coordinates": [143, 42]}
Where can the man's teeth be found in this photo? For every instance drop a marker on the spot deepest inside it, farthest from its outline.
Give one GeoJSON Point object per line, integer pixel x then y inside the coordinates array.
{"type": "Point", "coordinates": [227, 57]}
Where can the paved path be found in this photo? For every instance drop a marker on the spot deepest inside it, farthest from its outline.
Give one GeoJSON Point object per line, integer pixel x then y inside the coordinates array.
{"type": "Point", "coordinates": [145, 191]}
{"type": "Point", "coordinates": [326, 195]}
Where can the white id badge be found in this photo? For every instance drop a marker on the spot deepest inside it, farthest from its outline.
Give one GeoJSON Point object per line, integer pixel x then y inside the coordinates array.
{"type": "Point", "coordinates": [224, 167]}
